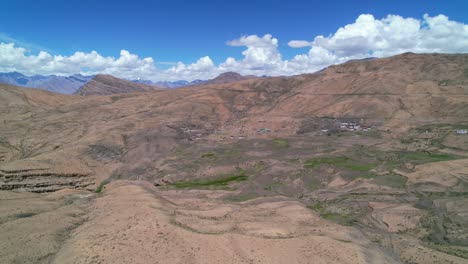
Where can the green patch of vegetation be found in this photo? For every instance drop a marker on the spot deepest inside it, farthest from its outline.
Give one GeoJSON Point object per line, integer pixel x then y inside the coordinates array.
{"type": "Point", "coordinates": [280, 142]}
{"type": "Point", "coordinates": [441, 130]}
{"type": "Point", "coordinates": [259, 166]}
{"type": "Point", "coordinates": [437, 142]}
{"type": "Point", "coordinates": [341, 162]}
{"type": "Point", "coordinates": [369, 175]}
{"type": "Point", "coordinates": [371, 133]}
{"type": "Point", "coordinates": [209, 155]}
{"type": "Point", "coordinates": [451, 250]}
{"type": "Point", "coordinates": [445, 82]}
{"type": "Point", "coordinates": [315, 162]}
{"type": "Point", "coordinates": [24, 215]}
{"type": "Point", "coordinates": [342, 218]}
{"type": "Point", "coordinates": [359, 167]}
{"type": "Point", "coordinates": [314, 185]}
{"type": "Point", "coordinates": [272, 186]}
{"type": "Point", "coordinates": [432, 127]}
{"type": "Point", "coordinates": [425, 157]}
{"type": "Point", "coordinates": [232, 152]}
{"type": "Point", "coordinates": [240, 197]}
{"type": "Point", "coordinates": [392, 180]}
{"type": "Point", "coordinates": [101, 186]}
{"type": "Point", "coordinates": [219, 182]}
{"type": "Point", "coordinates": [408, 140]}
{"type": "Point", "coordinates": [390, 164]}
{"type": "Point", "coordinates": [459, 126]}
{"type": "Point", "coordinates": [318, 207]}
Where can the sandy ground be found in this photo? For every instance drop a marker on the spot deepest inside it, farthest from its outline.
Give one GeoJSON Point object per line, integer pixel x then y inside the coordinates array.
{"type": "Point", "coordinates": [397, 217]}
{"type": "Point", "coordinates": [414, 252]}
{"type": "Point", "coordinates": [33, 227]}
{"type": "Point", "coordinates": [446, 173]}
{"type": "Point", "coordinates": [133, 223]}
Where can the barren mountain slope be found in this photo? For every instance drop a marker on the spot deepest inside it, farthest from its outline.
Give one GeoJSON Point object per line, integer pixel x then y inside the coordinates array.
{"type": "Point", "coordinates": [52, 83]}
{"type": "Point", "coordinates": [107, 84]}
{"type": "Point", "coordinates": [135, 130]}
{"type": "Point", "coordinates": [194, 227]}
{"type": "Point", "coordinates": [404, 89]}
{"type": "Point", "coordinates": [228, 77]}
{"type": "Point", "coordinates": [354, 143]}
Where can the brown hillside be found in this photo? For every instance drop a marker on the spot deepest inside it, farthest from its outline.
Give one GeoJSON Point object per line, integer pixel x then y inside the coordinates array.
{"type": "Point", "coordinates": [102, 84]}
{"type": "Point", "coordinates": [358, 163]}
{"type": "Point", "coordinates": [228, 77]}
{"type": "Point", "coordinates": [398, 92]}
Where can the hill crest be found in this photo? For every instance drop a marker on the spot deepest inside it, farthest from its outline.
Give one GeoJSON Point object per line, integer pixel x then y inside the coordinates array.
{"type": "Point", "coordinates": [103, 84]}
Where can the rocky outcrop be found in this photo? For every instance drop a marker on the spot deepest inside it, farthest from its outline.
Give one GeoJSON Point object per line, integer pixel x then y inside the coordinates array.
{"type": "Point", "coordinates": [42, 180]}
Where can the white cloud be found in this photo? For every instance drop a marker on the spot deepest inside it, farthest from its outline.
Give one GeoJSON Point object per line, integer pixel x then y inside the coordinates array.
{"type": "Point", "coordinates": [260, 57]}
{"type": "Point", "coordinates": [203, 68]}
{"type": "Point", "coordinates": [299, 43]}
{"type": "Point", "coordinates": [128, 65]}
{"type": "Point", "coordinates": [366, 37]}
{"type": "Point", "coordinates": [370, 37]}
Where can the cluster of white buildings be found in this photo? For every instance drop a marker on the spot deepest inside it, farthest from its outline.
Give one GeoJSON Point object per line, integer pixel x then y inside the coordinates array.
{"type": "Point", "coordinates": [353, 126]}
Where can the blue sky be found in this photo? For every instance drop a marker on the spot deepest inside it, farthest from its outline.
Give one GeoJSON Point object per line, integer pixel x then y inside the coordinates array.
{"type": "Point", "coordinates": [170, 31]}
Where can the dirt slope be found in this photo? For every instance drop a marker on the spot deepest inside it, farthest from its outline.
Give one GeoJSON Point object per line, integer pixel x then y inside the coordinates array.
{"type": "Point", "coordinates": [190, 228]}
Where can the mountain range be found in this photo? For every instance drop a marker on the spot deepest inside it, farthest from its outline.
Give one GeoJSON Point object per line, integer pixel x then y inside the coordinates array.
{"type": "Point", "coordinates": [71, 84]}
{"type": "Point", "coordinates": [361, 162]}
{"type": "Point", "coordinates": [53, 83]}
{"type": "Point", "coordinates": [171, 84]}
{"type": "Point", "coordinates": [103, 84]}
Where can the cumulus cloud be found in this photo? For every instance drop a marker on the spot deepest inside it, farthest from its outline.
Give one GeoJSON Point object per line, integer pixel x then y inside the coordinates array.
{"type": "Point", "coordinates": [201, 69]}
{"type": "Point", "coordinates": [366, 37]}
{"type": "Point", "coordinates": [371, 37]}
{"type": "Point", "coordinates": [260, 57]}
{"type": "Point", "coordinates": [128, 65]}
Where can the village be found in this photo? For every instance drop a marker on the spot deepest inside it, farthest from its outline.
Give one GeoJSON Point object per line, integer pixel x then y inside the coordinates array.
{"type": "Point", "coordinates": [354, 125]}
{"type": "Point", "coordinates": [239, 130]}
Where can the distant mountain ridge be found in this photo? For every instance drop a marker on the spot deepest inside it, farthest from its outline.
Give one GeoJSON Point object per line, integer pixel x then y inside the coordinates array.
{"type": "Point", "coordinates": [225, 77]}
{"type": "Point", "coordinates": [52, 83]}
{"type": "Point", "coordinates": [228, 77]}
{"type": "Point", "coordinates": [171, 84]}
{"type": "Point", "coordinates": [103, 84]}
{"type": "Point", "coordinates": [72, 84]}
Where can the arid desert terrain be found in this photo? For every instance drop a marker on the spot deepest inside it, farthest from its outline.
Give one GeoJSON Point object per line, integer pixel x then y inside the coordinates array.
{"type": "Point", "coordinates": [362, 162]}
